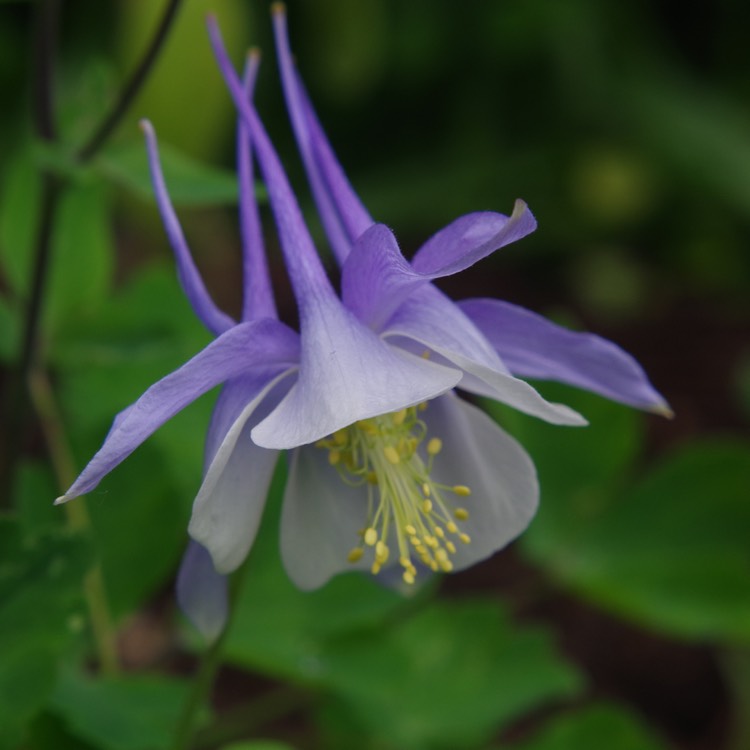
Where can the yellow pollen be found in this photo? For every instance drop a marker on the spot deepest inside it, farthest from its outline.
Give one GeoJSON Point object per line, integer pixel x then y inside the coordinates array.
{"type": "Point", "coordinates": [392, 454]}
{"type": "Point", "coordinates": [434, 446]}
{"type": "Point", "coordinates": [407, 515]}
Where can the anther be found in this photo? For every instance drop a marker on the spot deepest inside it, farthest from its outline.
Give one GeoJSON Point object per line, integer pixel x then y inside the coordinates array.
{"type": "Point", "coordinates": [392, 454]}
{"type": "Point", "coordinates": [462, 490]}
{"type": "Point", "coordinates": [461, 514]}
{"type": "Point", "coordinates": [465, 538]}
{"type": "Point", "coordinates": [371, 536]}
{"type": "Point", "coordinates": [355, 555]}
{"type": "Point", "coordinates": [434, 446]}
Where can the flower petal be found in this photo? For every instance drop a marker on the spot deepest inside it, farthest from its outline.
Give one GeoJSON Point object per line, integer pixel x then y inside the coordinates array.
{"type": "Point", "coordinates": [376, 278]}
{"type": "Point", "coordinates": [342, 213]}
{"type": "Point", "coordinates": [471, 238]}
{"type": "Point", "coordinates": [347, 373]}
{"type": "Point", "coordinates": [210, 315]}
{"type": "Point", "coordinates": [257, 295]}
{"type": "Point", "coordinates": [502, 478]}
{"type": "Point", "coordinates": [202, 593]}
{"type": "Point", "coordinates": [432, 320]}
{"type": "Point", "coordinates": [534, 347]}
{"type": "Point", "coordinates": [230, 502]}
{"type": "Point", "coordinates": [317, 536]}
{"type": "Point", "coordinates": [241, 348]}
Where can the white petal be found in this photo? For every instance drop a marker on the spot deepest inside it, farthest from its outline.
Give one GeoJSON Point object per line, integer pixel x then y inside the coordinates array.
{"type": "Point", "coordinates": [502, 478]}
{"type": "Point", "coordinates": [320, 519]}
{"type": "Point", "coordinates": [229, 505]}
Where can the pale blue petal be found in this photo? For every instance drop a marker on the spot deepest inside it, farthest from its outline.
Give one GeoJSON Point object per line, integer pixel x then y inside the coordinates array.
{"type": "Point", "coordinates": [230, 502]}
{"type": "Point", "coordinates": [471, 238]}
{"type": "Point", "coordinates": [202, 593]}
{"type": "Point", "coordinates": [534, 347]}
{"type": "Point", "coordinates": [241, 348]}
{"type": "Point", "coordinates": [347, 373]}
{"type": "Point", "coordinates": [320, 520]}
{"type": "Point", "coordinates": [210, 315]}
{"type": "Point", "coordinates": [502, 478]}
{"type": "Point", "coordinates": [436, 324]}
{"type": "Point", "coordinates": [376, 278]}
{"type": "Point", "coordinates": [257, 293]}
{"type": "Point", "coordinates": [342, 213]}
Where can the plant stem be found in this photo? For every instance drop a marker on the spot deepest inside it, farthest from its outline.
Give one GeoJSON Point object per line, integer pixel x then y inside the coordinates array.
{"type": "Point", "coordinates": [204, 679]}
{"type": "Point", "coordinates": [61, 456]}
{"type": "Point", "coordinates": [132, 87]}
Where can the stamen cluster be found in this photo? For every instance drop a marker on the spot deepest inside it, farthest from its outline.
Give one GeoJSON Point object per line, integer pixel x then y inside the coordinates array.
{"type": "Point", "coordinates": [382, 453]}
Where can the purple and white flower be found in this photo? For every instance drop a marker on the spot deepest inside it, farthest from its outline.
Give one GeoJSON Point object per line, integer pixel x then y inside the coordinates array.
{"type": "Point", "coordinates": [389, 468]}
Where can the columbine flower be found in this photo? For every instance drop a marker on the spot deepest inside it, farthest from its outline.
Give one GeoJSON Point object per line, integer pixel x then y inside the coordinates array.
{"type": "Point", "coordinates": [389, 469]}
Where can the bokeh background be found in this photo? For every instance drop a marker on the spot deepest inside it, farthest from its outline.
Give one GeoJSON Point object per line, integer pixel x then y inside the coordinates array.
{"type": "Point", "coordinates": [623, 615]}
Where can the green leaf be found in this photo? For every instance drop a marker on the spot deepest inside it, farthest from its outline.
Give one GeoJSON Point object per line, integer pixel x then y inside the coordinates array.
{"type": "Point", "coordinates": [40, 613]}
{"type": "Point", "coordinates": [673, 553]}
{"type": "Point", "coordinates": [591, 729]}
{"type": "Point", "coordinates": [258, 745]}
{"type": "Point", "coordinates": [19, 216]}
{"type": "Point", "coordinates": [82, 259]}
{"type": "Point", "coordinates": [189, 182]}
{"type": "Point", "coordinates": [128, 713]}
{"type": "Point", "coordinates": [448, 676]}
{"type": "Point", "coordinates": [286, 635]}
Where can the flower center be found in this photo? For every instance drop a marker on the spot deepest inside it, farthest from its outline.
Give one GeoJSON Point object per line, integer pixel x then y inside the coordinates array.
{"type": "Point", "coordinates": [405, 508]}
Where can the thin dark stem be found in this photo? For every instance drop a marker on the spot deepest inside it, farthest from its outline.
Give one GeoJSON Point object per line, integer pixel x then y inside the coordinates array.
{"type": "Point", "coordinates": [132, 87]}
{"type": "Point", "coordinates": [17, 400]}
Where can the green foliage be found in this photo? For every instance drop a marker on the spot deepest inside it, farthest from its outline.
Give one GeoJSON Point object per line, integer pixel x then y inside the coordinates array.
{"type": "Point", "coordinates": [190, 182]}
{"type": "Point", "coordinates": [43, 568]}
{"type": "Point", "coordinates": [587, 730]}
{"type": "Point", "coordinates": [449, 675]}
{"type": "Point", "coordinates": [128, 713]}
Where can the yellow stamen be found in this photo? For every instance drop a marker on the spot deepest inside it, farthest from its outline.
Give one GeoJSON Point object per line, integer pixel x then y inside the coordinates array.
{"type": "Point", "coordinates": [355, 555]}
{"type": "Point", "coordinates": [462, 490]}
{"type": "Point", "coordinates": [461, 514]}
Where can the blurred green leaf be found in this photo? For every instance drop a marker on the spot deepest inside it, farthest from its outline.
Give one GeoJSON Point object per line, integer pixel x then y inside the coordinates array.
{"type": "Point", "coordinates": [19, 214]}
{"type": "Point", "coordinates": [673, 553]}
{"type": "Point", "coordinates": [258, 745]}
{"type": "Point", "coordinates": [40, 612]}
{"type": "Point", "coordinates": [287, 634]}
{"type": "Point", "coordinates": [128, 713]}
{"type": "Point", "coordinates": [190, 183]}
{"type": "Point", "coordinates": [591, 729]}
{"type": "Point", "coordinates": [82, 259]}
{"type": "Point", "coordinates": [448, 676]}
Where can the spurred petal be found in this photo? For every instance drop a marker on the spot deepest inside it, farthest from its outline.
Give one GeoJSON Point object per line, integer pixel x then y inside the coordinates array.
{"type": "Point", "coordinates": [247, 345]}
{"type": "Point", "coordinates": [434, 322]}
{"type": "Point", "coordinates": [214, 319]}
{"type": "Point", "coordinates": [501, 476]}
{"type": "Point", "coordinates": [470, 238]}
{"type": "Point", "coordinates": [347, 373]}
{"type": "Point", "coordinates": [229, 505]}
{"type": "Point", "coordinates": [202, 592]}
{"type": "Point", "coordinates": [534, 347]}
{"type": "Point", "coordinates": [342, 213]}
{"type": "Point", "coordinates": [316, 536]}
{"type": "Point", "coordinates": [257, 294]}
